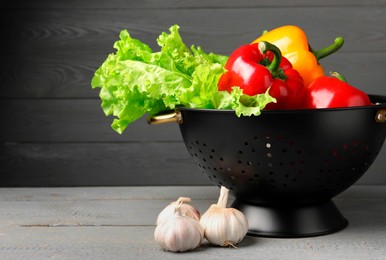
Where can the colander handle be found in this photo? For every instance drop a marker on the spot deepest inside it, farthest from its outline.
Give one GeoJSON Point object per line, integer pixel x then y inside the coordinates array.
{"type": "Point", "coordinates": [380, 116]}
{"type": "Point", "coordinates": [173, 117]}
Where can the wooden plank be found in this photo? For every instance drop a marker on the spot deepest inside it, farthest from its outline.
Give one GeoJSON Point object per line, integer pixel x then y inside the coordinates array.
{"type": "Point", "coordinates": [97, 164]}
{"type": "Point", "coordinates": [93, 31]}
{"type": "Point", "coordinates": [111, 230]}
{"type": "Point", "coordinates": [167, 194]}
{"type": "Point", "coordinates": [113, 164]}
{"type": "Point", "coordinates": [72, 120]}
{"type": "Point", "coordinates": [109, 207]}
{"type": "Point", "coordinates": [56, 75]}
{"type": "Point", "coordinates": [150, 4]}
{"type": "Point", "coordinates": [138, 243]}
{"type": "Point", "coordinates": [59, 75]}
{"type": "Point", "coordinates": [170, 193]}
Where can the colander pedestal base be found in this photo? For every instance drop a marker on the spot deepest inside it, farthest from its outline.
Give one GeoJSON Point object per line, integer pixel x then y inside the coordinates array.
{"type": "Point", "coordinates": [291, 221]}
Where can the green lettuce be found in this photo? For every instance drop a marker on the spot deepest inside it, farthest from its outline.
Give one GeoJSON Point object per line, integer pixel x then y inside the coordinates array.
{"type": "Point", "coordinates": [136, 81]}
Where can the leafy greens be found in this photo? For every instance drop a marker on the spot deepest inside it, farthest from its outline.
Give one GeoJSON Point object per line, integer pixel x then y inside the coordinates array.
{"type": "Point", "coordinates": [136, 81]}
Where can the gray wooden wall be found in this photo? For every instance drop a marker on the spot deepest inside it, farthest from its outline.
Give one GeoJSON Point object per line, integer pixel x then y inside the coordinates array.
{"type": "Point", "coordinates": [53, 131]}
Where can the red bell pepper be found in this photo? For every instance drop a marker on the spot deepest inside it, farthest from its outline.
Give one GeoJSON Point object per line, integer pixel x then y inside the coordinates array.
{"type": "Point", "coordinates": [334, 92]}
{"type": "Point", "coordinates": [259, 66]}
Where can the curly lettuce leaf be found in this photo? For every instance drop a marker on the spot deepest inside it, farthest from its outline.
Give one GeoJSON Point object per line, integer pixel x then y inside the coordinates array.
{"type": "Point", "coordinates": [136, 81]}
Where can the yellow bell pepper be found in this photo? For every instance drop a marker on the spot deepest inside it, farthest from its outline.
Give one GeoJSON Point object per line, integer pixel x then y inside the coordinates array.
{"type": "Point", "coordinates": [292, 42]}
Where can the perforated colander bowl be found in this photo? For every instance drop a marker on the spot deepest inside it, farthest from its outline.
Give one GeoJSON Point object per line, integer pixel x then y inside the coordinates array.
{"type": "Point", "coordinates": [283, 167]}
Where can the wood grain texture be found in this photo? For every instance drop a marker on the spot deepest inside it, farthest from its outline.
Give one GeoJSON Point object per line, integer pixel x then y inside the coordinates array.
{"type": "Point", "coordinates": [97, 164]}
{"type": "Point", "coordinates": [69, 77]}
{"type": "Point", "coordinates": [50, 50]}
{"type": "Point", "coordinates": [94, 31]}
{"type": "Point", "coordinates": [170, 4]}
{"type": "Point", "coordinates": [118, 223]}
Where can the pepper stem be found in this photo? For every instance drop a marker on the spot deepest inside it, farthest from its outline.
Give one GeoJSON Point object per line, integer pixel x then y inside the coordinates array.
{"type": "Point", "coordinates": [274, 66]}
{"type": "Point", "coordinates": [320, 54]}
{"type": "Point", "coordinates": [338, 76]}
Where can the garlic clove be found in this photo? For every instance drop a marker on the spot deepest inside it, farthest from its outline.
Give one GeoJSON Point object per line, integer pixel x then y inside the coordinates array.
{"type": "Point", "coordinates": [186, 210]}
{"type": "Point", "coordinates": [224, 226]}
{"type": "Point", "coordinates": [179, 233]}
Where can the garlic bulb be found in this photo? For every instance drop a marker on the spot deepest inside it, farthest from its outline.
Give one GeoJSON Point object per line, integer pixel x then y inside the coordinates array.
{"type": "Point", "coordinates": [224, 226]}
{"type": "Point", "coordinates": [186, 210]}
{"type": "Point", "coordinates": [179, 233]}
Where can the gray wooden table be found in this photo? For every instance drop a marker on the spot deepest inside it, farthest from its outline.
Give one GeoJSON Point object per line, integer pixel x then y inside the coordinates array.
{"type": "Point", "coordinates": [118, 223]}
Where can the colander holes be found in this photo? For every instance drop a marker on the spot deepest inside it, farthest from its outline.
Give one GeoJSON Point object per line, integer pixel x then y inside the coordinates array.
{"type": "Point", "coordinates": [270, 173]}
{"type": "Point", "coordinates": [299, 151]}
{"type": "Point", "coordinates": [243, 172]}
{"type": "Point", "coordinates": [215, 169]}
{"type": "Point", "coordinates": [284, 150]}
{"type": "Point", "coordinates": [197, 142]}
{"type": "Point", "coordinates": [256, 175]}
{"type": "Point", "coordinates": [249, 163]}
{"type": "Point", "coordinates": [268, 145]}
{"type": "Point", "coordinates": [287, 175]}
{"type": "Point", "coordinates": [251, 180]}
{"type": "Point", "coordinates": [221, 159]}
{"type": "Point", "coordinates": [281, 163]}
{"type": "Point", "coordinates": [199, 150]}
{"type": "Point", "coordinates": [204, 144]}
{"type": "Point", "coordinates": [284, 185]}
{"type": "Point", "coordinates": [246, 143]}
{"type": "Point", "coordinates": [269, 155]}
{"type": "Point", "coordinates": [195, 154]}
{"type": "Point", "coordinates": [269, 164]}
{"type": "Point", "coordinates": [212, 150]}
{"type": "Point", "coordinates": [239, 162]}
{"type": "Point", "coordinates": [204, 160]}
{"type": "Point", "coordinates": [211, 157]}
{"type": "Point", "coordinates": [294, 180]}
{"type": "Point", "coordinates": [240, 152]}
{"type": "Point", "coordinates": [253, 151]}
{"type": "Point", "coordinates": [267, 136]}
{"type": "Point", "coordinates": [255, 137]}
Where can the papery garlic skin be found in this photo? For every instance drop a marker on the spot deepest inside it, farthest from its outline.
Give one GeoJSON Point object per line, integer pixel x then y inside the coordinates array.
{"type": "Point", "coordinates": [179, 234]}
{"type": "Point", "coordinates": [186, 210]}
{"type": "Point", "coordinates": [224, 226]}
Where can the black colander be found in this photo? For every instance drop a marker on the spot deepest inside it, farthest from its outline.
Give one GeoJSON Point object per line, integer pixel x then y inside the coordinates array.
{"type": "Point", "coordinates": [283, 167]}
